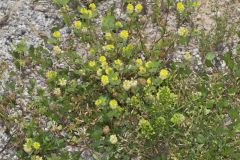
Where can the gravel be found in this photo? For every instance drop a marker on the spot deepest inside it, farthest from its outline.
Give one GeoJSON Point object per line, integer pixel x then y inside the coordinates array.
{"type": "Point", "coordinates": [27, 20]}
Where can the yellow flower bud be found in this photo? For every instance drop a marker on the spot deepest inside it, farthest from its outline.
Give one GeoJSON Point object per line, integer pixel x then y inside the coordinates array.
{"type": "Point", "coordinates": [124, 34]}
{"type": "Point", "coordinates": [104, 80]}
{"type": "Point", "coordinates": [138, 8]}
{"type": "Point", "coordinates": [130, 8]}
{"type": "Point", "coordinates": [113, 104]}
{"type": "Point", "coordinates": [163, 74]}
{"type": "Point", "coordinates": [56, 34]}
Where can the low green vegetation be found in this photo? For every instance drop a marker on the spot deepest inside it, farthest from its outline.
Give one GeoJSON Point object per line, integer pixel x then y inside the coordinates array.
{"type": "Point", "coordinates": [124, 98]}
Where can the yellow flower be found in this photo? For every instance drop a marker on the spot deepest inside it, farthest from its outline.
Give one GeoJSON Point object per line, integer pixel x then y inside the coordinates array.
{"type": "Point", "coordinates": [130, 8]}
{"type": "Point", "coordinates": [104, 80]}
{"type": "Point", "coordinates": [113, 104]}
{"type": "Point", "coordinates": [27, 148]}
{"type": "Point", "coordinates": [92, 6]}
{"type": "Point", "coordinates": [36, 145]}
{"type": "Point", "coordinates": [149, 81]}
{"type": "Point", "coordinates": [98, 102]}
{"type": "Point", "coordinates": [127, 85]}
{"type": "Point", "coordinates": [139, 62]}
{"type": "Point", "coordinates": [118, 62]}
{"type": "Point", "coordinates": [138, 8]}
{"type": "Point", "coordinates": [187, 56]}
{"type": "Point", "coordinates": [183, 31]}
{"type": "Point", "coordinates": [142, 69]}
{"type": "Point", "coordinates": [196, 4]}
{"type": "Point", "coordinates": [114, 78]}
{"type": "Point", "coordinates": [163, 74]}
{"type": "Point", "coordinates": [180, 7]}
{"type": "Point", "coordinates": [57, 49]}
{"type": "Point", "coordinates": [57, 91]}
{"type": "Point", "coordinates": [62, 82]}
{"type": "Point", "coordinates": [89, 13]}
{"type": "Point", "coordinates": [92, 63]}
{"type": "Point", "coordinates": [108, 36]}
{"type": "Point", "coordinates": [102, 59]}
{"type": "Point", "coordinates": [51, 74]}
{"type": "Point", "coordinates": [77, 24]}
{"type": "Point", "coordinates": [86, 12]}
{"type": "Point", "coordinates": [113, 139]}
{"type": "Point", "coordinates": [118, 24]}
{"type": "Point", "coordinates": [108, 47]}
{"type": "Point", "coordinates": [83, 11]}
{"type": "Point", "coordinates": [56, 34]}
{"type": "Point", "coordinates": [99, 72]}
{"type": "Point", "coordinates": [108, 70]}
{"type": "Point", "coordinates": [104, 65]}
{"type": "Point", "coordinates": [124, 34]}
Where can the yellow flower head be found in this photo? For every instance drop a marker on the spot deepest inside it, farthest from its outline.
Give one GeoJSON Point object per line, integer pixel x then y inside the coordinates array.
{"type": "Point", "coordinates": [57, 50]}
{"type": "Point", "coordinates": [51, 74]}
{"type": "Point", "coordinates": [108, 36]}
{"type": "Point", "coordinates": [183, 31]}
{"type": "Point", "coordinates": [62, 82]}
{"type": "Point", "coordinates": [118, 62]}
{"type": "Point", "coordinates": [124, 34]}
{"type": "Point", "coordinates": [149, 81]}
{"type": "Point", "coordinates": [98, 102]}
{"type": "Point", "coordinates": [104, 64]}
{"type": "Point", "coordinates": [92, 63]}
{"type": "Point", "coordinates": [163, 74]}
{"type": "Point", "coordinates": [139, 62]}
{"type": "Point", "coordinates": [104, 80]}
{"type": "Point", "coordinates": [27, 148]}
{"type": "Point", "coordinates": [187, 56]}
{"type": "Point", "coordinates": [113, 104]}
{"type": "Point", "coordinates": [92, 6]}
{"type": "Point", "coordinates": [77, 24]}
{"type": "Point", "coordinates": [56, 34]}
{"type": "Point", "coordinates": [113, 139]}
{"type": "Point", "coordinates": [142, 69]}
{"type": "Point", "coordinates": [83, 11]}
{"type": "Point", "coordinates": [180, 7]}
{"type": "Point", "coordinates": [57, 91]}
{"type": "Point", "coordinates": [109, 70]}
{"type": "Point", "coordinates": [130, 8]}
{"type": "Point", "coordinates": [118, 24]}
{"type": "Point", "coordinates": [99, 72]}
{"type": "Point", "coordinates": [89, 13]}
{"type": "Point", "coordinates": [127, 85]}
{"type": "Point", "coordinates": [102, 59]}
{"type": "Point", "coordinates": [114, 77]}
{"type": "Point", "coordinates": [36, 145]}
{"type": "Point", "coordinates": [138, 8]}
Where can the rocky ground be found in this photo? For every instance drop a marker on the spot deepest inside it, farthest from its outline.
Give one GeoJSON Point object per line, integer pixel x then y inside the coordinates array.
{"type": "Point", "coordinates": [20, 19]}
{"type": "Point", "coordinates": [31, 20]}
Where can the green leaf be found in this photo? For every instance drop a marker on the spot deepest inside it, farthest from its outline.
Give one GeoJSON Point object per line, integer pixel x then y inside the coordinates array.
{"type": "Point", "coordinates": [210, 56]}
{"type": "Point", "coordinates": [108, 23]}
{"type": "Point", "coordinates": [61, 2]}
{"type": "Point", "coordinates": [228, 59]}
